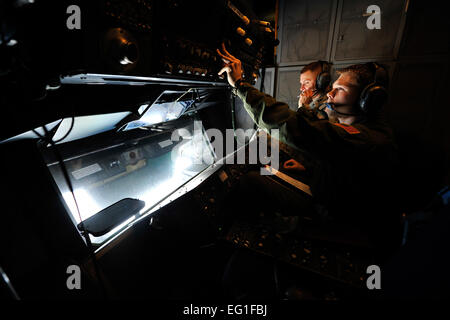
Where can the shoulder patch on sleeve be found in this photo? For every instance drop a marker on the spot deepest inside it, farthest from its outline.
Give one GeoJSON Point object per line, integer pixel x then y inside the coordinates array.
{"type": "Point", "coordinates": [349, 129]}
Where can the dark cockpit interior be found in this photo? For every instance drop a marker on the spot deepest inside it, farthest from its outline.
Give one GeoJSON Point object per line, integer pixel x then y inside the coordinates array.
{"type": "Point", "coordinates": [129, 163]}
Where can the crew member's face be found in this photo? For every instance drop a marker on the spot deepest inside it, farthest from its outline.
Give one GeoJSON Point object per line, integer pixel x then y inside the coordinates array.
{"type": "Point", "coordinates": [345, 90]}
{"type": "Point", "coordinates": [308, 80]}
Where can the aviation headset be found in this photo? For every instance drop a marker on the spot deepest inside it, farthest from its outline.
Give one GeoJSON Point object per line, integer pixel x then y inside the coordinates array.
{"type": "Point", "coordinates": [324, 78]}
{"type": "Point", "coordinates": [375, 94]}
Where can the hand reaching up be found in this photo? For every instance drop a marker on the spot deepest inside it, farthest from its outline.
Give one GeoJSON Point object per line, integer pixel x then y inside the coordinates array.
{"type": "Point", "coordinates": [233, 66]}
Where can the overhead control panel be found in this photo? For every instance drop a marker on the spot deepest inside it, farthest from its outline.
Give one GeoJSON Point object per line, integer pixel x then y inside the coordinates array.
{"type": "Point", "coordinates": [155, 39]}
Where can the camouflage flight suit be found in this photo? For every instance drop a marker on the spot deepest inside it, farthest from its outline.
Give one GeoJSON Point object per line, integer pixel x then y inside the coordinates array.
{"type": "Point", "coordinates": [354, 167]}
{"type": "Point", "coordinates": [318, 105]}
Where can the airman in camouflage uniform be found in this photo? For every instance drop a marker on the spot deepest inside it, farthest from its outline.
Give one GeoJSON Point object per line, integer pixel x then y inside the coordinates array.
{"type": "Point", "coordinates": [353, 174]}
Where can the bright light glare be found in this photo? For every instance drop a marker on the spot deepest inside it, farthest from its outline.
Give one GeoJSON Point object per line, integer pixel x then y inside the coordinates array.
{"type": "Point", "coordinates": [197, 151]}
{"type": "Point", "coordinates": [182, 163]}
{"type": "Point", "coordinates": [88, 207]}
{"type": "Point", "coordinates": [158, 192]}
{"type": "Point", "coordinates": [154, 118]}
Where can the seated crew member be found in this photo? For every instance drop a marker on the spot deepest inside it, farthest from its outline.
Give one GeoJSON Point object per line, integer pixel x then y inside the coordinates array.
{"type": "Point", "coordinates": [314, 84]}
{"type": "Point", "coordinates": [356, 156]}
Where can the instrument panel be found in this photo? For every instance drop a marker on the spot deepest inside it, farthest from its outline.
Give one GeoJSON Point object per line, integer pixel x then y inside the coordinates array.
{"type": "Point", "coordinates": [174, 39]}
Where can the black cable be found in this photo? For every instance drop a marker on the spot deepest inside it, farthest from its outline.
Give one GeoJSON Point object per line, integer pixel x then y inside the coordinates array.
{"type": "Point", "coordinates": [261, 88]}
{"type": "Point", "coordinates": [201, 99]}
{"type": "Point", "coordinates": [233, 117]}
{"type": "Point", "coordinates": [233, 113]}
{"type": "Point", "coordinates": [38, 134]}
{"type": "Point", "coordinates": [68, 132]}
{"type": "Point", "coordinates": [70, 186]}
{"type": "Point", "coordinates": [61, 139]}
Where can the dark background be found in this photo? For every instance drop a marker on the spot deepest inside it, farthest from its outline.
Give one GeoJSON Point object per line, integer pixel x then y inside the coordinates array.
{"type": "Point", "coordinates": [415, 47]}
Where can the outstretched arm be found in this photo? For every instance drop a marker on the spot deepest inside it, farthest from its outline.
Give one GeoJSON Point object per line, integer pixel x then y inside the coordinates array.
{"type": "Point", "coordinates": [297, 129]}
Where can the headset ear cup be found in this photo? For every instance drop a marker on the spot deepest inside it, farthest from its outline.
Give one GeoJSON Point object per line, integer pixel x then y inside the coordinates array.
{"type": "Point", "coordinates": [372, 98]}
{"type": "Point", "coordinates": [323, 80]}
{"type": "Point", "coordinates": [319, 82]}
{"type": "Point", "coordinates": [363, 99]}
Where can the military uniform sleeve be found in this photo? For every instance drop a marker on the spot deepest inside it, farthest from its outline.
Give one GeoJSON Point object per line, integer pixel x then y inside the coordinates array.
{"type": "Point", "coordinates": [307, 105]}
{"type": "Point", "coordinates": [318, 102]}
{"type": "Point", "coordinates": [302, 128]}
{"type": "Point", "coordinates": [319, 105]}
